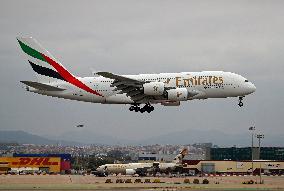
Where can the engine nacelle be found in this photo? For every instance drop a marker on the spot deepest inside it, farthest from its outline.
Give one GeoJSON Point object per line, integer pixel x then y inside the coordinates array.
{"type": "Point", "coordinates": [130, 171]}
{"type": "Point", "coordinates": [154, 88]}
{"type": "Point", "coordinates": [171, 103]}
{"type": "Point", "coordinates": [178, 94]}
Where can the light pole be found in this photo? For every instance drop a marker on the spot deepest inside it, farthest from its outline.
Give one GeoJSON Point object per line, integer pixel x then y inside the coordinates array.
{"type": "Point", "coordinates": [252, 129]}
{"type": "Point", "coordinates": [260, 136]}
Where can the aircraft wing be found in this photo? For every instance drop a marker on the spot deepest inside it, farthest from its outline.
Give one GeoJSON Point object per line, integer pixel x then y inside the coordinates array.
{"type": "Point", "coordinates": [120, 78]}
{"type": "Point", "coordinates": [132, 87]}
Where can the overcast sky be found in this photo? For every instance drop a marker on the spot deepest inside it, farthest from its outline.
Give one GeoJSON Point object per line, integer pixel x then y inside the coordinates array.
{"type": "Point", "coordinates": [131, 37]}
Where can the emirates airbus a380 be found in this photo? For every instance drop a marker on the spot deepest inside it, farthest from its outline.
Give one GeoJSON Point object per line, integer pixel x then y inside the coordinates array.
{"type": "Point", "coordinates": [168, 89]}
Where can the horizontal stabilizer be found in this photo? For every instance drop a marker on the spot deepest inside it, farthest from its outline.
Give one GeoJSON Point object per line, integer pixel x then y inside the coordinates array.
{"type": "Point", "coordinates": [41, 86]}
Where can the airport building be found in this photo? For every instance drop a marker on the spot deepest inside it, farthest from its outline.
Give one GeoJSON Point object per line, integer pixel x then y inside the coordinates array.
{"type": "Point", "coordinates": [231, 160]}
{"type": "Point", "coordinates": [233, 167]}
{"type": "Point", "coordinates": [244, 153]}
{"type": "Point", "coordinates": [150, 157]}
{"type": "Point", "coordinates": [49, 163]}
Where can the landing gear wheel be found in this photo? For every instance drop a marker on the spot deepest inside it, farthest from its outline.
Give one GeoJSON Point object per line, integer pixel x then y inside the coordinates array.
{"type": "Point", "coordinates": [148, 107]}
{"type": "Point", "coordinates": [131, 108]}
{"type": "Point", "coordinates": [134, 107]}
{"type": "Point", "coordinates": [241, 104]}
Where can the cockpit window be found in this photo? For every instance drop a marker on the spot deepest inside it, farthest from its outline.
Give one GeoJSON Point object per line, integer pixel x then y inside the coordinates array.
{"type": "Point", "coordinates": [246, 81]}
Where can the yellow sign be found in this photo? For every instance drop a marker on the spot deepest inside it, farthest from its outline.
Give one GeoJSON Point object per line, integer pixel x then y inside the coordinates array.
{"type": "Point", "coordinates": [53, 163]}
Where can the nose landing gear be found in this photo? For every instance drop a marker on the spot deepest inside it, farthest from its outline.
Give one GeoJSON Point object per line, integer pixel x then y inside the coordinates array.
{"type": "Point", "coordinates": [241, 104]}
{"type": "Point", "coordinates": [148, 107]}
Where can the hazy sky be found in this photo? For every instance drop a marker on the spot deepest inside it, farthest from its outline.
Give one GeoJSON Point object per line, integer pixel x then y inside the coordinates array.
{"type": "Point", "coordinates": [131, 37]}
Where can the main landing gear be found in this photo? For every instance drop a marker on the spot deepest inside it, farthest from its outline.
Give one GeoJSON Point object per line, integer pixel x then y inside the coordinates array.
{"type": "Point", "coordinates": [148, 107]}
{"type": "Point", "coordinates": [241, 104]}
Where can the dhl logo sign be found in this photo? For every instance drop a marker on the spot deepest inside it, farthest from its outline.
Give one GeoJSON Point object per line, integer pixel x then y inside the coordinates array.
{"type": "Point", "coordinates": [37, 161]}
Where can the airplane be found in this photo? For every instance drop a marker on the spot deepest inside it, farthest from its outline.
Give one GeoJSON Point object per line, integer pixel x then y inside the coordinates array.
{"type": "Point", "coordinates": [142, 168]}
{"type": "Point", "coordinates": [167, 89]}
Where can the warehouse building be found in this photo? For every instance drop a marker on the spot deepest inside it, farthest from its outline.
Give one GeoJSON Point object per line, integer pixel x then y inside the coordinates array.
{"type": "Point", "coordinates": [49, 163]}
{"type": "Point", "coordinates": [65, 160]}
{"type": "Point", "coordinates": [30, 164]}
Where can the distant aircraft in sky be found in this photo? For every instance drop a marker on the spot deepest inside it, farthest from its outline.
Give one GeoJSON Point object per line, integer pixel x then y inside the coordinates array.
{"type": "Point", "coordinates": [80, 126]}
{"type": "Point", "coordinates": [167, 89]}
{"type": "Point", "coordinates": [142, 168]}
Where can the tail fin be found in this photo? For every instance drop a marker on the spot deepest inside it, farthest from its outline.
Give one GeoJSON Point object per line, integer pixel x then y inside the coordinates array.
{"type": "Point", "coordinates": [180, 156]}
{"type": "Point", "coordinates": [48, 69]}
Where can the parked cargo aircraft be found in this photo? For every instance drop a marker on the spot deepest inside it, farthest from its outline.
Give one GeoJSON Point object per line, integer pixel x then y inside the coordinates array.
{"type": "Point", "coordinates": [142, 168]}
{"type": "Point", "coordinates": [168, 89]}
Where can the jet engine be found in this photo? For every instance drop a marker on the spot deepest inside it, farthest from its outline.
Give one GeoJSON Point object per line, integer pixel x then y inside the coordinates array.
{"type": "Point", "coordinates": [178, 94]}
{"type": "Point", "coordinates": [130, 171]}
{"type": "Point", "coordinates": [171, 103]}
{"type": "Point", "coordinates": [154, 88]}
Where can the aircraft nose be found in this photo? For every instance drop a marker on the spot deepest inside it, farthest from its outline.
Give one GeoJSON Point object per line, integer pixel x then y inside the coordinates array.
{"type": "Point", "coordinates": [251, 88]}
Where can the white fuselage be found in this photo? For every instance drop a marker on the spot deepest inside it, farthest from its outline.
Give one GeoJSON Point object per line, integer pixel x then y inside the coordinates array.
{"type": "Point", "coordinates": [208, 84]}
{"type": "Point", "coordinates": [132, 168]}
{"type": "Point", "coordinates": [122, 168]}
